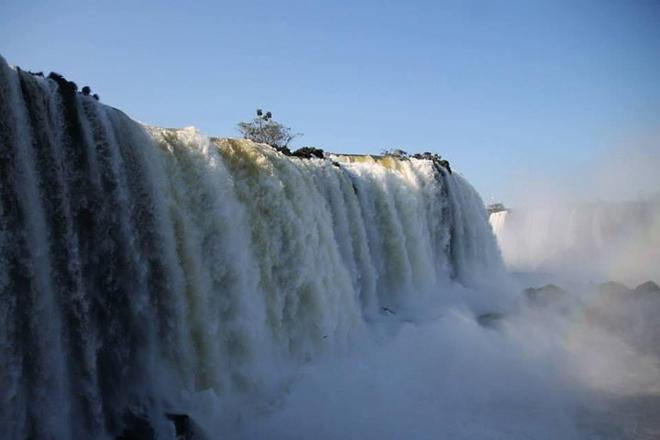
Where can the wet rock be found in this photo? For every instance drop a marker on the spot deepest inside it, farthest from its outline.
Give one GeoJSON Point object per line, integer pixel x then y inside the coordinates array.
{"type": "Point", "coordinates": [387, 311]}
{"type": "Point", "coordinates": [544, 296]}
{"type": "Point", "coordinates": [67, 90]}
{"type": "Point", "coordinates": [614, 291]}
{"type": "Point", "coordinates": [631, 315]}
{"type": "Point", "coordinates": [137, 427]}
{"type": "Point", "coordinates": [490, 320]}
{"type": "Point", "coordinates": [648, 289]}
{"type": "Point", "coordinates": [309, 152]}
{"type": "Point", "coordinates": [185, 427]}
{"type": "Point", "coordinates": [284, 150]}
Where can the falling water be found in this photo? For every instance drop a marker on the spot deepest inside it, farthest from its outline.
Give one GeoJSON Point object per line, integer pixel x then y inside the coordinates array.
{"type": "Point", "coordinates": [600, 240]}
{"type": "Point", "coordinates": [140, 265]}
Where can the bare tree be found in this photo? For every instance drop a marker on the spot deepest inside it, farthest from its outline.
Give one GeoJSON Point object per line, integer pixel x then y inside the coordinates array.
{"type": "Point", "coordinates": [401, 154]}
{"type": "Point", "coordinates": [264, 130]}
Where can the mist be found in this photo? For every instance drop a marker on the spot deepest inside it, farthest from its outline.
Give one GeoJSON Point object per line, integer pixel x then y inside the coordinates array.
{"type": "Point", "coordinates": [586, 244]}
{"type": "Point", "coordinates": [580, 366]}
{"type": "Point", "coordinates": [245, 293]}
{"type": "Point", "coordinates": [581, 362]}
{"type": "Point", "coordinates": [625, 170]}
{"type": "Point", "coordinates": [596, 222]}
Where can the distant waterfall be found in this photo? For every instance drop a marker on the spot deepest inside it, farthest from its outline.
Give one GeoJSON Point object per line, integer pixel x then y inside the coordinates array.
{"type": "Point", "coordinates": [139, 265]}
{"type": "Point", "coordinates": [599, 241]}
{"type": "Point", "coordinates": [498, 221]}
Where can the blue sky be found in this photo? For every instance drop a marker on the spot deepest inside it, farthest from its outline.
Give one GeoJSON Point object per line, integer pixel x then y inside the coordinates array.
{"type": "Point", "coordinates": [506, 90]}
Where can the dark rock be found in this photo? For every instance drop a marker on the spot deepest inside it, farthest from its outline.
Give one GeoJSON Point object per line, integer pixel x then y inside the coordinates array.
{"type": "Point", "coordinates": [445, 164]}
{"type": "Point", "coordinates": [309, 152]}
{"type": "Point", "coordinates": [614, 291]}
{"type": "Point", "coordinates": [387, 311]}
{"type": "Point", "coordinates": [185, 426]}
{"type": "Point", "coordinates": [649, 289]}
{"type": "Point", "coordinates": [631, 315]}
{"type": "Point", "coordinates": [399, 154]}
{"type": "Point", "coordinates": [426, 155]}
{"type": "Point", "coordinates": [283, 150]}
{"type": "Point", "coordinates": [86, 90]}
{"type": "Point", "coordinates": [495, 207]}
{"type": "Point", "coordinates": [67, 91]}
{"type": "Point", "coordinates": [490, 320]}
{"type": "Point", "coordinates": [95, 96]}
{"type": "Point", "coordinates": [137, 427]}
{"type": "Point", "coordinates": [66, 87]}
{"type": "Point", "coordinates": [544, 296]}
{"type": "Point", "coordinates": [435, 158]}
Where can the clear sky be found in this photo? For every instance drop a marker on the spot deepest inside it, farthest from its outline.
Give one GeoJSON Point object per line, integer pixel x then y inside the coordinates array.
{"type": "Point", "coordinates": [501, 88]}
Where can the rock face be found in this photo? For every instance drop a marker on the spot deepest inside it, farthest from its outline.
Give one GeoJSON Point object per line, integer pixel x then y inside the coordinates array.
{"type": "Point", "coordinates": [544, 296]}
{"type": "Point", "coordinates": [631, 314]}
{"type": "Point", "coordinates": [309, 152]}
{"type": "Point", "coordinates": [649, 288]}
{"type": "Point", "coordinates": [137, 427]}
{"type": "Point", "coordinates": [185, 427]}
{"type": "Point", "coordinates": [495, 207]}
{"type": "Point", "coordinates": [617, 291]}
{"type": "Point", "coordinates": [140, 427]}
{"type": "Point", "coordinates": [491, 320]}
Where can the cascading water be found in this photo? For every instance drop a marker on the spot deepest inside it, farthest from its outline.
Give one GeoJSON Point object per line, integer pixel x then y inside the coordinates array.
{"type": "Point", "coordinates": [140, 266]}
{"type": "Point", "coordinates": [599, 241]}
{"type": "Point", "coordinates": [497, 221]}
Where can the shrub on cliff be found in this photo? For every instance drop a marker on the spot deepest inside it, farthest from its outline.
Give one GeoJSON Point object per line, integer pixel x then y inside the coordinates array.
{"type": "Point", "coordinates": [309, 152]}
{"type": "Point", "coordinates": [400, 154]}
{"type": "Point", "coordinates": [445, 164]}
{"type": "Point", "coordinates": [264, 130]}
{"type": "Point", "coordinates": [436, 158]}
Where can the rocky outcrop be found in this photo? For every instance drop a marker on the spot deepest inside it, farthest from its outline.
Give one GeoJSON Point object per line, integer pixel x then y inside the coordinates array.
{"type": "Point", "coordinates": [138, 426]}
{"type": "Point", "coordinates": [631, 314]}
{"type": "Point", "coordinates": [491, 320]}
{"type": "Point", "coordinates": [544, 296]}
{"type": "Point", "coordinates": [308, 153]}
{"type": "Point", "coordinates": [648, 289]}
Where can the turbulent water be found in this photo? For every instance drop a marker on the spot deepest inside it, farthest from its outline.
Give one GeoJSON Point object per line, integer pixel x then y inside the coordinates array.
{"type": "Point", "coordinates": [600, 241]}
{"type": "Point", "coordinates": [142, 268]}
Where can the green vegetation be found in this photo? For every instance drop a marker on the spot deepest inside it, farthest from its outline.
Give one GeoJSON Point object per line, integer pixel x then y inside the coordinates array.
{"type": "Point", "coordinates": [399, 154]}
{"type": "Point", "coordinates": [264, 130]}
{"type": "Point", "coordinates": [309, 152]}
{"type": "Point", "coordinates": [434, 157]}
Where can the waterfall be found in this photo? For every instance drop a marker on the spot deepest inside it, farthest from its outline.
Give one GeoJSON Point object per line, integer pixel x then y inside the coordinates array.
{"type": "Point", "coordinates": [141, 265]}
{"type": "Point", "coordinates": [600, 241]}
{"type": "Point", "coordinates": [497, 221]}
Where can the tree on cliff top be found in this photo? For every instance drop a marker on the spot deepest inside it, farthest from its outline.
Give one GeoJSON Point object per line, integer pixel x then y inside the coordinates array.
{"type": "Point", "coordinates": [264, 130]}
